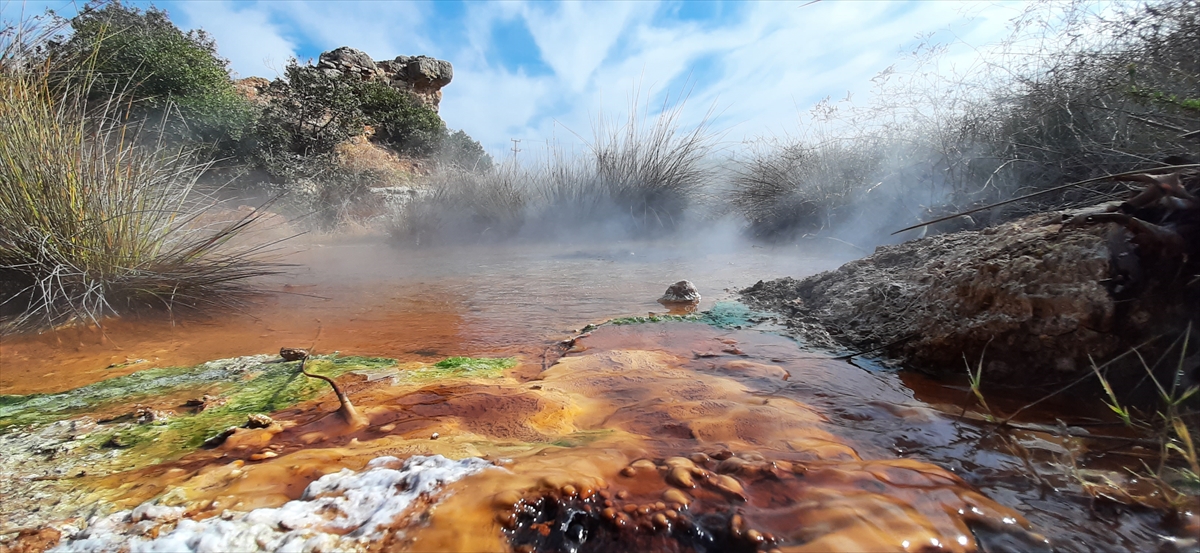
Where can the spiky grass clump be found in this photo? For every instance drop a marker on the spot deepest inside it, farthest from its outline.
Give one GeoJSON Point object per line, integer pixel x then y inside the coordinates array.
{"type": "Point", "coordinates": [785, 190]}
{"type": "Point", "coordinates": [635, 180]}
{"type": "Point", "coordinates": [652, 172]}
{"type": "Point", "coordinates": [466, 206]}
{"type": "Point", "coordinates": [93, 220]}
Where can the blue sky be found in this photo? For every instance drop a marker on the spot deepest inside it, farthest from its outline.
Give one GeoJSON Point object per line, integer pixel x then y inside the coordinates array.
{"type": "Point", "coordinates": [540, 71]}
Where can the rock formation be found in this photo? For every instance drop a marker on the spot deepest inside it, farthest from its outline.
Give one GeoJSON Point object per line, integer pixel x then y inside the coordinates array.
{"type": "Point", "coordinates": [1036, 299]}
{"type": "Point", "coordinates": [422, 76]}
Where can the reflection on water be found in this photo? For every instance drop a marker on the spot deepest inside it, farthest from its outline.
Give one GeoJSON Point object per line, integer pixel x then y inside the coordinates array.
{"type": "Point", "coordinates": [411, 305]}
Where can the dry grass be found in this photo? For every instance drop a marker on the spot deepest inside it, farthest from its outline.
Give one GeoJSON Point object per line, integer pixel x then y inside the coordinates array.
{"type": "Point", "coordinates": [96, 219]}
{"type": "Point", "coordinates": [1069, 96]}
{"type": "Point", "coordinates": [637, 179]}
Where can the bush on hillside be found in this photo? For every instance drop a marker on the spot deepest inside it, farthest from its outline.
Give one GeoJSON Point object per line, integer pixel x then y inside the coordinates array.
{"type": "Point", "coordinates": [400, 121]}
{"type": "Point", "coordinates": [638, 182]}
{"type": "Point", "coordinates": [1071, 96]}
{"type": "Point", "coordinates": [460, 150]}
{"type": "Point", "coordinates": [791, 189]}
{"type": "Point", "coordinates": [308, 113]}
{"type": "Point", "coordinates": [166, 74]}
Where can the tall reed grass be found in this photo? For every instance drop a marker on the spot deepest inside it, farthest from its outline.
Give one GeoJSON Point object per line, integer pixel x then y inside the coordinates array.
{"type": "Point", "coordinates": [1071, 95]}
{"type": "Point", "coordinates": [636, 179]}
{"type": "Point", "coordinates": [95, 217]}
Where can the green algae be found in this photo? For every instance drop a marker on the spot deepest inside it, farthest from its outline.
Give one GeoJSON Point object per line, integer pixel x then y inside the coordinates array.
{"type": "Point", "coordinates": [251, 384]}
{"type": "Point", "coordinates": [732, 314]}
{"type": "Point", "coordinates": [269, 388]}
{"type": "Point", "coordinates": [582, 438]}
{"type": "Point", "coordinates": [243, 386]}
{"type": "Point", "coordinates": [461, 367]}
{"type": "Point", "coordinates": [724, 314]}
{"type": "Point", "coordinates": [622, 321]}
{"type": "Point", "coordinates": [210, 378]}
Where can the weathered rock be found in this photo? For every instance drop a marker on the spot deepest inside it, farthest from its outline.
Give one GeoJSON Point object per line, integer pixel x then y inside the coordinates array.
{"type": "Point", "coordinates": [348, 60]}
{"type": "Point", "coordinates": [253, 89]}
{"type": "Point", "coordinates": [681, 292]}
{"type": "Point", "coordinates": [421, 76]}
{"type": "Point", "coordinates": [293, 354]}
{"type": "Point", "coordinates": [31, 540]}
{"type": "Point", "coordinates": [1034, 298]}
{"type": "Point", "coordinates": [258, 420]}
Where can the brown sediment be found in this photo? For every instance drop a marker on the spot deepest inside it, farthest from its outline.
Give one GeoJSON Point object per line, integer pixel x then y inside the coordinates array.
{"type": "Point", "coordinates": [369, 299]}
{"type": "Point", "coordinates": [641, 449]}
{"type": "Point", "coordinates": [632, 442]}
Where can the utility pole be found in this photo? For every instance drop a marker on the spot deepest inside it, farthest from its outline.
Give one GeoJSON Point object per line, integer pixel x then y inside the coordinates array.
{"type": "Point", "coordinates": [515, 149]}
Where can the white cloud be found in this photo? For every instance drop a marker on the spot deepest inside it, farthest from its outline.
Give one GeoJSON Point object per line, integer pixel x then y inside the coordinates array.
{"type": "Point", "coordinates": [576, 37]}
{"type": "Point", "coordinates": [246, 36]}
{"type": "Point", "coordinates": [382, 29]}
{"type": "Point", "coordinates": [769, 62]}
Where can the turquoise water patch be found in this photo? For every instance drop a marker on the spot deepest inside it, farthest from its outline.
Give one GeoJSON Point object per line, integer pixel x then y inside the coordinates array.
{"type": "Point", "coordinates": [724, 314]}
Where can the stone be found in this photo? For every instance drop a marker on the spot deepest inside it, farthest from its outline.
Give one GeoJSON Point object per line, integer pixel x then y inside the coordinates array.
{"type": "Point", "coordinates": [253, 89]}
{"type": "Point", "coordinates": [421, 76]}
{"type": "Point", "coordinates": [258, 420]}
{"type": "Point", "coordinates": [681, 292]}
{"type": "Point", "coordinates": [293, 354]}
{"type": "Point", "coordinates": [347, 59]}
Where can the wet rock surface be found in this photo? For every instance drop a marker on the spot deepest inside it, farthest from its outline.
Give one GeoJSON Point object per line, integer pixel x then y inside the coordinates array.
{"type": "Point", "coordinates": [1034, 298]}
{"type": "Point", "coordinates": [681, 292]}
{"type": "Point", "coordinates": [629, 441]}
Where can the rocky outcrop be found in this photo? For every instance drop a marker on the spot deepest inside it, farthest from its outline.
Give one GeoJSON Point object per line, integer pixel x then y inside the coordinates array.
{"type": "Point", "coordinates": [253, 89]}
{"type": "Point", "coordinates": [1035, 299]}
{"type": "Point", "coordinates": [422, 76]}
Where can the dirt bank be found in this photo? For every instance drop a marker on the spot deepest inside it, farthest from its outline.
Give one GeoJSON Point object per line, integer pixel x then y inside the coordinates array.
{"type": "Point", "coordinates": [1035, 298]}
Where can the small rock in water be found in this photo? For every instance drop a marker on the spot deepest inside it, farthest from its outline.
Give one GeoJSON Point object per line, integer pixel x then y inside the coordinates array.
{"type": "Point", "coordinates": [293, 354]}
{"type": "Point", "coordinates": [681, 292]}
{"type": "Point", "coordinates": [258, 420]}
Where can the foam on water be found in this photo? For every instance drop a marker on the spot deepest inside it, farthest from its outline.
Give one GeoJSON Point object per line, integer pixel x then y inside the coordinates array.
{"type": "Point", "coordinates": [340, 511]}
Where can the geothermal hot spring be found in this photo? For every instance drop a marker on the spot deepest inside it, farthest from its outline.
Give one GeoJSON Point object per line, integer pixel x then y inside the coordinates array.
{"type": "Point", "coordinates": [520, 398]}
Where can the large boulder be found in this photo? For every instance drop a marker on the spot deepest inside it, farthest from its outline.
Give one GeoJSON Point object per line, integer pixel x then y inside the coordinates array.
{"type": "Point", "coordinates": [421, 76]}
{"type": "Point", "coordinates": [348, 60]}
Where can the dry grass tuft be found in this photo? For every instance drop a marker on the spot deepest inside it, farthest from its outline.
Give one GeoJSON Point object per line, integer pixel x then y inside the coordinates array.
{"type": "Point", "coordinates": [94, 218]}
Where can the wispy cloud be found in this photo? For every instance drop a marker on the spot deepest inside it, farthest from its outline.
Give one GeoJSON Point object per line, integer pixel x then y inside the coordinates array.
{"type": "Point", "coordinates": [245, 34]}
{"type": "Point", "coordinates": [527, 70]}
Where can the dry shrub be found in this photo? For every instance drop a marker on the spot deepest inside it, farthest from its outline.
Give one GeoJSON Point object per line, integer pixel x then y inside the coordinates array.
{"type": "Point", "coordinates": [638, 180]}
{"type": "Point", "coordinates": [94, 218]}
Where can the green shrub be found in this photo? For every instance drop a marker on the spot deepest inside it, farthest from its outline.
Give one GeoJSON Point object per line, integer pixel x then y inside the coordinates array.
{"type": "Point", "coordinates": [401, 121]}
{"type": "Point", "coordinates": [308, 113]}
{"type": "Point", "coordinates": [460, 150]}
{"type": "Point", "coordinates": [1070, 96]}
{"type": "Point", "coordinates": [167, 74]}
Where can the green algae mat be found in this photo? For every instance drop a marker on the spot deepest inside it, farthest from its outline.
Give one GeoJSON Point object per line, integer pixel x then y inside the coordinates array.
{"type": "Point", "coordinates": [221, 394]}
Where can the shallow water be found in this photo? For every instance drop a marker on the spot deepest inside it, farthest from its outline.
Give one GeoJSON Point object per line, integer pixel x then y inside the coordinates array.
{"type": "Point", "coordinates": [427, 304]}
{"type": "Point", "coordinates": [668, 436]}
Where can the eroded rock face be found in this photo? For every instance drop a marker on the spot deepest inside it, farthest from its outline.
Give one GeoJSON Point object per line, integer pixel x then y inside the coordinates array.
{"type": "Point", "coordinates": [422, 76]}
{"type": "Point", "coordinates": [252, 88]}
{"type": "Point", "coordinates": [1033, 298]}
